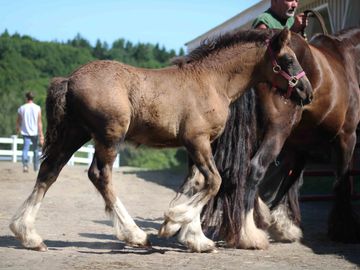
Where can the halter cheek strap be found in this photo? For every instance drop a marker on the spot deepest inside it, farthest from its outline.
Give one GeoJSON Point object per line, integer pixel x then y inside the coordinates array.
{"type": "Point", "coordinates": [292, 80]}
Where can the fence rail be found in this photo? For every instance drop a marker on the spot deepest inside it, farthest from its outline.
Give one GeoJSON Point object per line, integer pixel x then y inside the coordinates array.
{"type": "Point", "coordinates": [83, 156]}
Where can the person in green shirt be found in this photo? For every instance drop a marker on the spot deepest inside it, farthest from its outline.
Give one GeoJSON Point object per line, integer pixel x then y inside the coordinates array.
{"type": "Point", "coordinates": [281, 14]}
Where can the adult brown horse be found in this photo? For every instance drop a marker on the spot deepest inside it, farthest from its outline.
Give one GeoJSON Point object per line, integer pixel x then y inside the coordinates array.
{"type": "Point", "coordinates": [110, 102]}
{"type": "Point", "coordinates": [332, 64]}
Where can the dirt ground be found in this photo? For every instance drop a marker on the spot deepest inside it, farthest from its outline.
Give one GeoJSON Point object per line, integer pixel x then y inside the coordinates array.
{"type": "Point", "coordinates": [79, 235]}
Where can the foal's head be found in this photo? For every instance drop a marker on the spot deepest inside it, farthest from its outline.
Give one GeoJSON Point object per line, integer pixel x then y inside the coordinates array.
{"type": "Point", "coordinates": [283, 71]}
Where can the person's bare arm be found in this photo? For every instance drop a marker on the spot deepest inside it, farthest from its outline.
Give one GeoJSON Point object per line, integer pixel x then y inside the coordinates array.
{"type": "Point", "coordinates": [18, 124]}
{"type": "Point", "coordinates": [261, 26]}
{"type": "Point", "coordinates": [300, 23]}
{"type": "Point", "coordinates": [40, 129]}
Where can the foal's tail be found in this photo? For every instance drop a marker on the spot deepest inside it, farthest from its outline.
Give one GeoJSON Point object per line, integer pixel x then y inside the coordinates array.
{"type": "Point", "coordinates": [55, 112]}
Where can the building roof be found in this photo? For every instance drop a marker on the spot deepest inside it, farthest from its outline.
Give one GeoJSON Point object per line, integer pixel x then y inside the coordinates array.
{"type": "Point", "coordinates": [242, 20]}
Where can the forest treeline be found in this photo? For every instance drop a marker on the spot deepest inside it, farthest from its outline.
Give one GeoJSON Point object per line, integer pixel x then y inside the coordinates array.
{"type": "Point", "coordinates": [28, 64]}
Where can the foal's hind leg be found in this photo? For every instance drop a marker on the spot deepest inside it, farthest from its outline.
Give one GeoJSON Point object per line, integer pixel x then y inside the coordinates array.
{"type": "Point", "coordinates": [344, 224]}
{"type": "Point", "coordinates": [22, 223]}
{"type": "Point", "coordinates": [100, 174]}
{"type": "Point", "coordinates": [194, 182]}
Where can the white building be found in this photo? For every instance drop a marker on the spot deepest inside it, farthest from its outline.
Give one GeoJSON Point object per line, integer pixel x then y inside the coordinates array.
{"type": "Point", "coordinates": [338, 14]}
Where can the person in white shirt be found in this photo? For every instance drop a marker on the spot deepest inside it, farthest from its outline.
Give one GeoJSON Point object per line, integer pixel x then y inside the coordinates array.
{"type": "Point", "coordinates": [29, 124]}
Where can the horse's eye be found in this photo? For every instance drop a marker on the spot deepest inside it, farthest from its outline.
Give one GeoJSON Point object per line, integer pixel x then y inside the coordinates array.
{"type": "Point", "coordinates": [288, 62]}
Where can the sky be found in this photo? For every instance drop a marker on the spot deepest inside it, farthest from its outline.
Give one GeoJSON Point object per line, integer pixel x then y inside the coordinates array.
{"type": "Point", "coordinates": [170, 23]}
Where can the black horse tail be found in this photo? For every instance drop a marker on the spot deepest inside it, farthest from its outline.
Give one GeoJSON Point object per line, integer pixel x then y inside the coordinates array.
{"type": "Point", "coordinates": [233, 150]}
{"type": "Point", "coordinates": [55, 113]}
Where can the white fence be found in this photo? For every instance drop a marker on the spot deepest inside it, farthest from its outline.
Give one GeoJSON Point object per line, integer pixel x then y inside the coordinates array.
{"type": "Point", "coordinates": [15, 153]}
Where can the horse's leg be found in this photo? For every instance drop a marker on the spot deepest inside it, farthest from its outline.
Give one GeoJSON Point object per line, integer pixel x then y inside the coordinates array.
{"type": "Point", "coordinates": [284, 217]}
{"type": "Point", "coordinates": [22, 223]}
{"type": "Point", "coordinates": [344, 224]}
{"type": "Point", "coordinates": [250, 236]}
{"type": "Point", "coordinates": [194, 181]}
{"type": "Point", "coordinates": [100, 174]}
{"type": "Point", "coordinates": [187, 215]}
{"type": "Point", "coordinates": [285, 208]}
{"type": "Point", "coordinates": [263, 214]}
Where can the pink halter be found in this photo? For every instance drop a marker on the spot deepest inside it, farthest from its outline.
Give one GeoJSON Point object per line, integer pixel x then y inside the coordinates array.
{"type": "Point", "coordinates": [292, 80]}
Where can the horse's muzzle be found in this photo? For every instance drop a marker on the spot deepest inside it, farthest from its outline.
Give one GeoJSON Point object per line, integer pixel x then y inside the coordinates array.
{"type": "Point", "coordinates": [304, 92]}
{"type": "Point", "coordinates": [306, 98]}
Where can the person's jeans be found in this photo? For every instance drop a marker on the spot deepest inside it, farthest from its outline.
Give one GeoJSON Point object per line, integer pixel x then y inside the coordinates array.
{"type": "Point", "coordinates": [25, 156]}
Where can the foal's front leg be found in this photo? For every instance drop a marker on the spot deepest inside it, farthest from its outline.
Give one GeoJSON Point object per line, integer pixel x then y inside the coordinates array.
{"type": "Point", "coordinates": [186, 216]}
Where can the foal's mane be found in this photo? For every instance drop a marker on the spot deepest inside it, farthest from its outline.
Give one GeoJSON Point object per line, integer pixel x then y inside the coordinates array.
{"type": "Point", "coordinates": [213, 45]}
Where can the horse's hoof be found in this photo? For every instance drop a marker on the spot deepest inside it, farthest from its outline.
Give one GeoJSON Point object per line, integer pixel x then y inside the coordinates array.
{"type": "Point", "coordinates": [254, 245]}
{"type": "Point", "coordinates": [208, 247]}
{"type": "Point", "coordinates": [42, 247]}
{"type": "Point", "coordinates": [285, 234]}
{"type": "Point", "coordinates": [344, 226]}
{"type": "Point", "coordinates": [168, 228]}
{"type": "Point", "coordinates": [349, 234]}
{"type": "Point", "coordinates": [256, 239]}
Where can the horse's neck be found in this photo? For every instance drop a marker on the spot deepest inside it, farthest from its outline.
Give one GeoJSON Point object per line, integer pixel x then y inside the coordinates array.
{"type": "Point", "coordinates": [351, 36]}
{"type": "Point", "coordinates": [354, 38]}
{"type": "Point", "coordinates": [344, 47]}
{"type": "Point", "coordinates": [239, 63]}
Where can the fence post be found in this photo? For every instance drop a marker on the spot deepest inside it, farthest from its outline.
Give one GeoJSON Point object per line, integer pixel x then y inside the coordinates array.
{"type": "Point", "coordinates": [117, 161]}
{"type": "Point", "coordinates": [14, 148]}
{"type": "Point", "coordinates": [71, 161]}
{"type": "Point", "coordinates": [90, 153]}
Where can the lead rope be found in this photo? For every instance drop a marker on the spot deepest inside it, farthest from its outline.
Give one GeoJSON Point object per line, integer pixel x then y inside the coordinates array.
{"type": "Point", "coordinates": [317, 15]}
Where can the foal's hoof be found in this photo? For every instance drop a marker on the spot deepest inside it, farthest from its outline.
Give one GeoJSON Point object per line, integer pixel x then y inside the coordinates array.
{"type": "Point", "coordinates": [42, 247]}
{"type": "Point", "coordinates": [137, 239]}
{"type": "Point", "coordinates": [169, 228]}
{"type": "Point", "coordinates": [146, 244]}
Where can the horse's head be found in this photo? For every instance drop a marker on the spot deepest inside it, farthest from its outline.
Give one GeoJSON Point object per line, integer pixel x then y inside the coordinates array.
{"type": "Point", "coordinates": [284, 71]}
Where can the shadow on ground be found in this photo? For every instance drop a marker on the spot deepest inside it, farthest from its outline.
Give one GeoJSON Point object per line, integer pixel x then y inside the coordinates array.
{"type": "Point", "coordinates": [102, 243]}
{"type": "Point", "coordinates": [167, 178]}
{"type": "Point", "coordinates": [314, 218]}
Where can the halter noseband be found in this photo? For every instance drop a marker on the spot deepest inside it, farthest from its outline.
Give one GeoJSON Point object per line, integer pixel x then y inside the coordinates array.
{"type": "Point", "coordinates": [292, 80]}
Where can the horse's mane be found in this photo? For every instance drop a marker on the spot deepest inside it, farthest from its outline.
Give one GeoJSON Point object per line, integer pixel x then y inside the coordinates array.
{"type": "Point", "coordinates": [348, 32]}
{"type": "Point", "coordinates": [337, 43]}
{"type": "Point", "coordinates": [213, 45]}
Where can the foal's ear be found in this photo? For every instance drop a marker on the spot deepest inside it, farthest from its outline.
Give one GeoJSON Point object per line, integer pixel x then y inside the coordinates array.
{"type": "Point", "coordinates": [280, 40]}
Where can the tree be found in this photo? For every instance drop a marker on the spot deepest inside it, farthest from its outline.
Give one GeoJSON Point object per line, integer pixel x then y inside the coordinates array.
{"type": "Point", "coordinates": [100, 50]}
{"type": "Point", "coordinates": [28, 64]}
{"type": "Point", "coordinates": [80, 42]}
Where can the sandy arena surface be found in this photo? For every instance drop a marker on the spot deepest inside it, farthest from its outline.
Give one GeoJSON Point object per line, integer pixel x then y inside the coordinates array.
{"type": "Point", "coordinates": [79, 235]}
